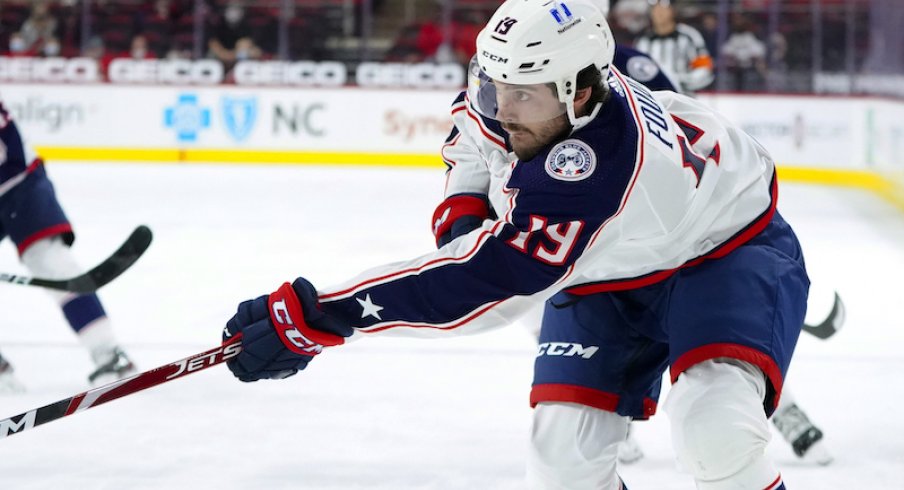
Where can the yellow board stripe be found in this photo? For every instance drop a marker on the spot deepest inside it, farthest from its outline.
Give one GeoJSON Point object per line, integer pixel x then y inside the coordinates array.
{"type": "Point", "coordinates": [239, 156]}
{"type": "Point", "coordinates": [887, 188]}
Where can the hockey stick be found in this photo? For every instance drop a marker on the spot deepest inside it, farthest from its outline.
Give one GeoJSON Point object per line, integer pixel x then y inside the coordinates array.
{"type": "Point", "coordinates": [106, 271]}
{"type": "Point", "coordinates": [831, 324]}
{"type": "Point", "coordinates": [121, 388]}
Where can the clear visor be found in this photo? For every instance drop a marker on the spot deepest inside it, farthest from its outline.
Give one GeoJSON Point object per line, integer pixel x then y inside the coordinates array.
{"type": "Point", "coordinates": [511, 103]}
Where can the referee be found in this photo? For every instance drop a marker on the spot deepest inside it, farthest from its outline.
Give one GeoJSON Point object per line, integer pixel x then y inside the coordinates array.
{"type": "Point", "coordinates": [678, 48]}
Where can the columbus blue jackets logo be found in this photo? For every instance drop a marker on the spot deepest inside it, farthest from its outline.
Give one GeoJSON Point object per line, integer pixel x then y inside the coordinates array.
{"type": "Point", "coordinates": [239, 115]}
{"type": "Point", "coordinates": [642, 69]}
{"type": "Point", "coordinates": [571, 160]}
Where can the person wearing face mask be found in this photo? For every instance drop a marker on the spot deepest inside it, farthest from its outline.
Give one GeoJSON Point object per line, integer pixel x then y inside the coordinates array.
{"type": "Point", "coordinates": [40, 25]}
{"type": "Point", "coordinates": [17, 46]}
{"type": "Point", "coordinates": [139, 49]}
{"type": "Point", "coordinates": [226, 34]}
{"type": "Point", "coordinates": [245, 49]}
{"type": "Point", "coordinates": [50, 48]}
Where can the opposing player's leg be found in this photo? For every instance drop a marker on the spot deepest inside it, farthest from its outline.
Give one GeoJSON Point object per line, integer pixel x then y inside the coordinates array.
{"type": "Point", "coordinates": [35, 221]}
{"type": "Point", "coordinates": [729, 355]}
{"type": "Point", "coordinates": [592, 374]}
{"type": "Point", "coordinates": [825, 317]}
{"type": "Point", "coordinates": [806, 439]}
{"type": "Point", "coordinates": [52, 258]}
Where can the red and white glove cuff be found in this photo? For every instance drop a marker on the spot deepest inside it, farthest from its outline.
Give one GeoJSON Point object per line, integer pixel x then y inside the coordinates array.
{"type": "Point", "coordinates": [288, 319]}
{"type": "Point", "coordinates": [453, 208]}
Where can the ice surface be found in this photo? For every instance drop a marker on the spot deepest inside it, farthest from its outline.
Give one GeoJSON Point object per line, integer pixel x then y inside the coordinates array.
{"type": "Point", "coordinates": [381, 413]}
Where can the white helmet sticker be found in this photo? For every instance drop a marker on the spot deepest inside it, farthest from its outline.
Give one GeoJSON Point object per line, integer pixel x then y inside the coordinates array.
{"type": "Point", "coordinates": [571, 160]}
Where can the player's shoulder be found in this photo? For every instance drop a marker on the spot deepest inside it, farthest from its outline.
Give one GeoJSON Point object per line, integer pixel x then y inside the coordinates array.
{"type": "Point", "coordinates": [641, 67]}
{"type": "Point", "coordinates": [460, 98]}
{"type": "Point", "coordinates": [636, 64]}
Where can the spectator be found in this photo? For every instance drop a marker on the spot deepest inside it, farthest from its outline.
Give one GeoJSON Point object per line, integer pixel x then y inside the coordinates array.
{"type": "Point", "coordinates": [232, 27]}
{"type": "Point", "coordinates": [246, 49]}
{"type": "Point", "coordinates": [50, 47]}
{"type": "Point", "coordinates": [430, 42]}
{"type": "Point", "coordinates": [464, 36]}
{"type": "Point", "coordinates": [745, 57]}
{"type": "Point", "coordinates": [177, 52]}
{"type": "Point", "coordinates": [39, 26]}
{"type": "Point", "coordinates": [678, 48]}
{"type": "Point", "coordinates": [629, 19]}
{"type": "Point", "coordinates": [138, 49]}
{"type": "Point", "coordinates": [777, 66]}
{"type": "Point", "coordinates": [158, 25]}
{"type": "Point", "coordinates": [709, 29]}
{"type": "Point", "coordinates": [429, 39]}
{"type": "Point", "coordinates": [18, 48]}
{"type": "Point", "coordinates": [97, 51]}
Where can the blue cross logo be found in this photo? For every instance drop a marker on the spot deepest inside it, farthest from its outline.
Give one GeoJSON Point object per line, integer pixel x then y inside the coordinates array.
{"type": "Point", "coordinates": [187, 117]}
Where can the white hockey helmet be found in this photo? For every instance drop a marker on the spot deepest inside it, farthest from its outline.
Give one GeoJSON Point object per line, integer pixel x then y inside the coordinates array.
{"type": "Point", "coordinates": [532, 43]}
{"type": "Point", "coordinates": [603, 5]}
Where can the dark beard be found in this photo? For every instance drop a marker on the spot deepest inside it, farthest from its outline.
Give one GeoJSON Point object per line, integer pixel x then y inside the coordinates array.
{"type": "Point", "coordinates": [527, 154]}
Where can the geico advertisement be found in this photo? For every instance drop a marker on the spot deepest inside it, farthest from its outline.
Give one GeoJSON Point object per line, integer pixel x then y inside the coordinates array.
{"type": "Point", "coordinates": [344, 120]}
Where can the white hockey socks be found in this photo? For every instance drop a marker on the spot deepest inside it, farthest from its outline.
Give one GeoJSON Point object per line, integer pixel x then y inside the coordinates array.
{"type": "Point", "coordinates": [574, 447]}
{"type": "Point", "coordinates": [52, 259]}
{"type": "Point", "coordinates": [719, 428]}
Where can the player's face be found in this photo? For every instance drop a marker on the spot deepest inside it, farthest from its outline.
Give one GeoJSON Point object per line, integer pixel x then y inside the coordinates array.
{"type": "Point", "coordinates": [528, 139]}
{"type": "Point", "coordinates": [532, 115]}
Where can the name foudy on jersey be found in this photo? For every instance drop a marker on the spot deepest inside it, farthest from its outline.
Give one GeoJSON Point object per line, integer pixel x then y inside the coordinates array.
{"type": "Point", "coordinates": [281, 332]}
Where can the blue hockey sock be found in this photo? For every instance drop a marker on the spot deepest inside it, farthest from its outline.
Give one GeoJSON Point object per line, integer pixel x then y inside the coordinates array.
{"type": "Point", "coordinates": [83, 310]}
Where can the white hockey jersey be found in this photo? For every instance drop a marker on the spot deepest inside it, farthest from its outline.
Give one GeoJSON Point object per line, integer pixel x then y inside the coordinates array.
{"type": "Point", "coordinates": [652, 184]}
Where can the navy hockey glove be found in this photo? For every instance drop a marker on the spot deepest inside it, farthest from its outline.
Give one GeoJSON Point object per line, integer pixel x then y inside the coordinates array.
{"type": "Point", "coordinates": [281, 332]}
{"type": "Point", "coordinates": [458, 215]}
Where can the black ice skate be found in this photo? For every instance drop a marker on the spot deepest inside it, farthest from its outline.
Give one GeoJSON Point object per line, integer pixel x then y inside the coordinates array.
{"type": "Point", "coordinates": [115, 365]}
{"type": "Point", "coordinates": [804, 437]}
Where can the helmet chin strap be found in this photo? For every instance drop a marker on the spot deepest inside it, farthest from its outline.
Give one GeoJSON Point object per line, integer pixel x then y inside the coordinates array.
{"type": "Point", "coordinates": [579, 122]}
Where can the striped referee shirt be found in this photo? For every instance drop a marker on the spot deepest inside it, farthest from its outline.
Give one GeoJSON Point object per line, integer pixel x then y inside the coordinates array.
{"type": "Point", "coordinates": [682, 54]}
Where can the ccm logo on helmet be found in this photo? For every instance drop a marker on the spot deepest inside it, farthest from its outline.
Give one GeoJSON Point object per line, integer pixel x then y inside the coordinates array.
{"type": "Point", "coordinates": [496, 58]}
{"type": "Point", "coordinates": [290, 332]}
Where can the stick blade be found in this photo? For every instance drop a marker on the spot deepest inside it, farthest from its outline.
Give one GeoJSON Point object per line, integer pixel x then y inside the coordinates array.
{"type": "Point", "coordinates": [832, 323]}
{"type": "Point", "coordinates": [123, 258]}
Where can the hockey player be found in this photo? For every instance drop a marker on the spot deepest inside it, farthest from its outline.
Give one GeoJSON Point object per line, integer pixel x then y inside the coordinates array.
{"type": "Point", "coordinates": [32, 217]}
{"type": "Point", "coordinates": [465, 193]}
{"type": "Point", "coordinates": [647, 223]}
